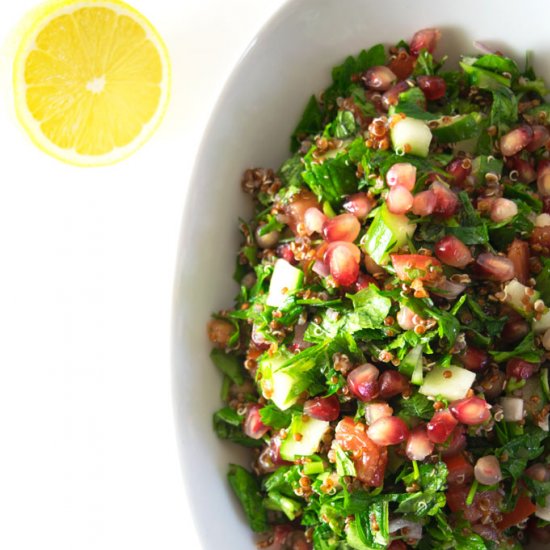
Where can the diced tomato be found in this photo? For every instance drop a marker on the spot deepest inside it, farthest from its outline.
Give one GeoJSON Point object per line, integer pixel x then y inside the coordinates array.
{"type": "Point", "coordinates": [416, 266]}
{"type": "Point", "coordinates": [524, 508]}
{"type": "Point", "coordinates": [369, 459]}
{"type": "Point", "coordinates": [460, 470]}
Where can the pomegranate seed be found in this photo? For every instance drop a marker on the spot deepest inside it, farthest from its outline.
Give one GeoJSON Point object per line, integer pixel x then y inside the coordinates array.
{"type": "Point", "coordinates": [424, 203]}
{"type": "Point", "coordinates": [425, 39]}
{"type": "Point", "coordinates": [296, 208]}
{"type": "Point", "coordinates": [392, 383]}
{"type": "Point", "coordinates": [402, 64]}
{"type": "Point", "coordinates": [359, 205]}
{"type": "Point", "coordinates": [419, 445]}
{"type": "Point", "coordinates": [399, 200]}
{"type": "Point", "coordinates": [447, 289]}
{"type": "Point", "coordinates": [343, 262]}
{"type": "Point", "coordinates": [402, 173]}
{"type": "Point", "coordinates": [389, 430]}
{"type": "Point", "coordinates": [363, 382]}
{"type": "Point", "coordinates": [520, 369]}
{"type": "Point", "coordinates": [343, 266]}
{"type": "Point", "coordinates": [452, 251]}
{"type": "Point", "coordinates": [391, 97]}
{"type": "Point", "coordinates": [540, 138]}
{"type": "Point", "coordinates": [397, 545]}
{"type": "Point", "coordinates": [503, 209]}
{"type": "Point", "coordinates": [253, 426]}
{"type": "Point", "coordinates": [330, 247]}
{"type": "Point", "coordinates": [515, 140]}
{"type": "Point", "coordinates": [284, 251]}
{"type": "Point", "coordinates": [471, 410]}
{"type": "Point", "coordinates": [525, 171]}
{"type": "Point", "coordinates": [459, 170]}
{"type": "Point", "coordinates": [374, 411]}
{"type": "Point", "coordinates": [474, 359]}
{"type": "Point", "coordinates": [543, 178]}
{"type": "Point", "coordinates": [314, 220]}
{"type": "Point", "coordinates": [321, 269]}
{"type": "Point", "coordinates": [455, 444]}
{"type": "Point", "coordinates": [487, 470]}
{"type": "Point", "coordinates": [434, 87]}
{"type": "Point", "coordinates": [515, 330]}
{"type": "Point", "coordinates": [363, 281]}
{"type": "Point", "coordinates": [518, 254]}
{"type": "Point", "coordinates": [323, 408]}
{"type": "Point", "coordinates": [546, 205]}
{"type": "Point", "coordinates": [446, 202]}
{"type": "Point", "coordinates": [406, 318]}
{"type": "Point", "coordinates": [379, 78]}
{"type": "Point", "coordinates": [441, 425]}
{"type": "Point", "coordinates": [494, 268]}
{"type": "Point", "coordinates": [344, 227]}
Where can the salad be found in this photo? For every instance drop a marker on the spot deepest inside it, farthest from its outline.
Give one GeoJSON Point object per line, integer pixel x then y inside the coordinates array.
{"type": "Point", "coordinates": [386, 358]}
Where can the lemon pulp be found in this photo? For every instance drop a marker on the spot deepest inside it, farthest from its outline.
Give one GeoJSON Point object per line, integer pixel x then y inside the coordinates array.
{"type": "Point", "coordinates": [91, 81]}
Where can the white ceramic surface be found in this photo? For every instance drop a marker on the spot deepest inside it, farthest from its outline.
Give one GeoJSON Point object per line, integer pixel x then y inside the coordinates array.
{"type": "Point", "coordinates": [290, 58]}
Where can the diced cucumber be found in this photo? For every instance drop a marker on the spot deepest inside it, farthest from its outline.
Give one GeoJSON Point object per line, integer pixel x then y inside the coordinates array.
{"type": "Point", "coordinates": [303, 437]}
{"type": "Point", "coordinates": [276, 384]}
{"type": "Point", "coordinates": [386, 233]}
{"type": "Point", "coordinates": [284, 376]}
{"type": "Point", "coordinates": [450, 129]}
{"type": "Point", "coordinates": [486, 80]}
{"type": "Point", "coordinates": [533, 396]}
{"type": "Point", "coordinates": [543, 324]}
{"type": "Point", "coordinates": [521, 298]}
{"type": "Point", "coordinates": [412, 136]}
{"type": "Point", "coordinates": [353, 538]}
{"type": "Point", "coordinates": [451, 383]}
{"type": "Point", "coordinates": [412, 365]}
{"type": "Point", "coordinates": [284, 281]}
{"type": "Point", "coordinates": [483, 164]}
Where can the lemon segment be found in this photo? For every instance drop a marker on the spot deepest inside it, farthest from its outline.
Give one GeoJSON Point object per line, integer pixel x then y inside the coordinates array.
{"type": "Point", "coordinates": [91, 81]}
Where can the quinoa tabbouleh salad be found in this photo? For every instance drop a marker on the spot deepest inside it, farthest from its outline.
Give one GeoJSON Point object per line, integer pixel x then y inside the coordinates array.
{"type": "Point", "coordinates": [386, 360]}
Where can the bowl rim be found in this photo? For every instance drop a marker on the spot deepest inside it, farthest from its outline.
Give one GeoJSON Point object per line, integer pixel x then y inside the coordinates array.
{"type": "Point", "coordinates": [233, 75]}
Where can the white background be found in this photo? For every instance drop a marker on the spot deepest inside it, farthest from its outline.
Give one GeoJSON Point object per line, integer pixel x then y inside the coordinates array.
{"type": "Point", "coordinates": [87, 450]}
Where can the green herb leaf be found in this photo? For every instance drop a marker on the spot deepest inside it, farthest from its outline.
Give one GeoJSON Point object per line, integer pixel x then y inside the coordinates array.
{"type": "Point", "coordinates": [526, 350]}
{"type": "Point", "coordinates": [272, 416]}
{"type": "Point", "coordinates": [247, 489]}
{"type": "Point", "coordinates": [344, 465]}
{"type": "Point", "coordinates": [228, 425]}
{"type": "Point", "coordinates": [311, 123]}
{"type": "Point", "coordinates": [229, 365]}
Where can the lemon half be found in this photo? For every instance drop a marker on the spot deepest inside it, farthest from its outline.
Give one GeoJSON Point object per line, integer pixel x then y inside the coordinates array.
{"type": "Point", "coordinates": [91, 80]}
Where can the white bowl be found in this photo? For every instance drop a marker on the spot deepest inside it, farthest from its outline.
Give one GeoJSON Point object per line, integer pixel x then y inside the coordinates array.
{"type": "Point", "coordinates": [290, 59]}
